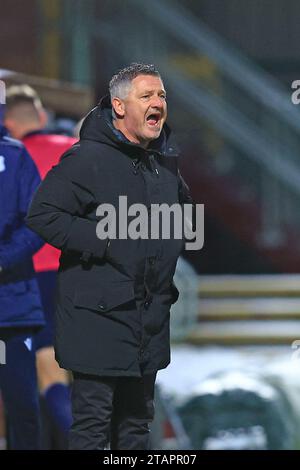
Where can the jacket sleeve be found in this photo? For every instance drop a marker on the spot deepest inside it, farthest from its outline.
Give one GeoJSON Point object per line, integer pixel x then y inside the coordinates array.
{"type": "Point", "coordinates": [23, 243]}
{"type": "Point", "coordinates": [57, 212]}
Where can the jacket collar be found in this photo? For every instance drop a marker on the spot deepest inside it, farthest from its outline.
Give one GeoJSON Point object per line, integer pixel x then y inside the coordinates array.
{"type": "Point", "coordinates": [3, 131]}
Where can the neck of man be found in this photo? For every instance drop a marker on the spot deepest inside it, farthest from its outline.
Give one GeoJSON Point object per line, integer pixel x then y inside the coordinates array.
{"type": "Point", "coordinates": [22, 130]}
{"type": "Point", "coordinates": [118, 124]}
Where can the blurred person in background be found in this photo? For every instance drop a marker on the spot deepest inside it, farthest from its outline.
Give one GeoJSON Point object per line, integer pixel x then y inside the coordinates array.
{"type": "Point", "coordinates": [21, 313]}
{"type": "Point", "coordinates": [114, 295]}
{"type": "Point", "coordinates": [26, 119]}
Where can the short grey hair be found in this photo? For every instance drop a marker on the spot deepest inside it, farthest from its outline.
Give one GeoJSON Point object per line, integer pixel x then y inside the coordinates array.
{"type": "Point", "coordinates": [120, 83]}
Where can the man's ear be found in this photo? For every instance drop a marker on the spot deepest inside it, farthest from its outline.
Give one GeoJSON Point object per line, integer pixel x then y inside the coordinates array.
{"type": "Point", "coordinates": [11, 126]}
{"type": "Point", "coordinates": [118, 106]}
{"type": "Point", "coordinates": [43, 118]}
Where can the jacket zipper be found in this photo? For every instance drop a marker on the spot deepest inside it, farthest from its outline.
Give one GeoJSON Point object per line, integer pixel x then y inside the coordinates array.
{"type": "Point", "coordinates": [153, 166]}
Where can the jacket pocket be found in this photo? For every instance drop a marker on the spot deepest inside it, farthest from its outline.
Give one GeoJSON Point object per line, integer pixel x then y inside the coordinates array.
{"type": "Point", "coordinates": [108, 297]}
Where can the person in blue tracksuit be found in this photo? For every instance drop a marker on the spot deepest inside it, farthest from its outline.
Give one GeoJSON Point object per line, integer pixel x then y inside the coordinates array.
{"type": "Point", "coordinates": [21, 313]}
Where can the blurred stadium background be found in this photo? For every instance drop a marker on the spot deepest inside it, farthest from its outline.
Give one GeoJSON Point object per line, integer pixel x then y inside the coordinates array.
{"type": "Point", "coordinates": [228, 66]}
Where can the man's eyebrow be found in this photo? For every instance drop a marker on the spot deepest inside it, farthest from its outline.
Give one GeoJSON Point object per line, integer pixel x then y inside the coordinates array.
{"type": "Point", "coordinates": [152, 91]}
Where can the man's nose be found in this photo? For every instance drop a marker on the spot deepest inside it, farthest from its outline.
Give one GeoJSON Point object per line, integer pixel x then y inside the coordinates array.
{"type": "Point", "coordinates": [157, 102]}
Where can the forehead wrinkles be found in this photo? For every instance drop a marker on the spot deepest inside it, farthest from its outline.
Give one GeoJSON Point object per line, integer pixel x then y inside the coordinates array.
{"type": "Point", "coordinates": [147, 84]}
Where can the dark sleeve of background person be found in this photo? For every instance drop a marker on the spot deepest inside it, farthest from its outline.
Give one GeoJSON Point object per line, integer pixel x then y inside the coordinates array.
{"type": "Point", "coordinates": [22, 243]}
{"type": "Point", "coordinates": [57, 212]}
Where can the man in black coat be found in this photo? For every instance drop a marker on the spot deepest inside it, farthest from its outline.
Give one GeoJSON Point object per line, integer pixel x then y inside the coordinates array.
{"type": "Point", "coordinates": [114, 292]}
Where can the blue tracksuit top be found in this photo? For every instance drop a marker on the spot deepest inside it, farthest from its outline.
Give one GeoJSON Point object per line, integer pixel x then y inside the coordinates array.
{"type": "Point", "coordinates": [20, 304]}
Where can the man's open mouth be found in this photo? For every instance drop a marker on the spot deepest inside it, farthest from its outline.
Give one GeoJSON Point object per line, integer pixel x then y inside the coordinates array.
{"type": "Point", "coordinates": [153, 119]}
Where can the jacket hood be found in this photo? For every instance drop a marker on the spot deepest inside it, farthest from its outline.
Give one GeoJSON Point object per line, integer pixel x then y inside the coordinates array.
{"type": "Point", "coordinates": [98, 126]}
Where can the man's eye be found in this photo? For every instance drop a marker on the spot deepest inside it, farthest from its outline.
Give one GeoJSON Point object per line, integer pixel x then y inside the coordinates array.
{"type": "Point", "coordinates": [163, 97]}
{"type": "Point", "coordinates": [145, 96]}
